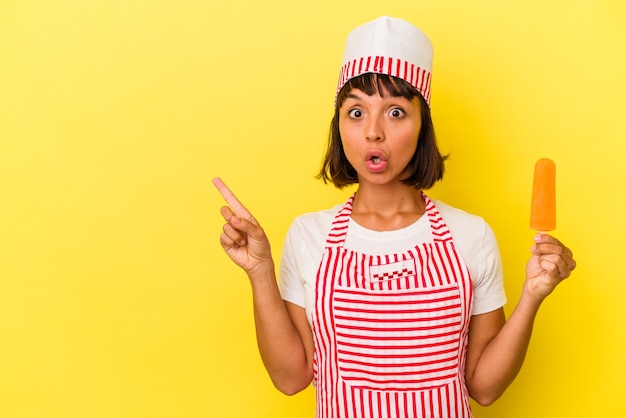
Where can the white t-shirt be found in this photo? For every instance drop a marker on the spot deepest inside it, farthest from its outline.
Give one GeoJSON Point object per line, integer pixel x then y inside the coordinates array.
{"type": "Point", "coordinates": [475, 240]}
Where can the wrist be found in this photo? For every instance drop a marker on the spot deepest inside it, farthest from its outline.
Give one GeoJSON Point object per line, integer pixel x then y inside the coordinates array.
{"type": "Point", "coordinates": [262, 272]}
{"type": "Point", "coordinates": [529, 301]}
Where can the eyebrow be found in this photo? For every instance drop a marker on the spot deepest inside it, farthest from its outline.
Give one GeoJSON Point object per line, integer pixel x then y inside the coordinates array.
{"type": "Point", "coordinates": [352, 96]}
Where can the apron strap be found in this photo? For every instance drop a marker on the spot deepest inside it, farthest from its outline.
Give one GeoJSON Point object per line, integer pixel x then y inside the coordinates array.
{"type": "Point", "coordinates": [337, 235]}
{"type": "Point", "coordinates": [439, 229]}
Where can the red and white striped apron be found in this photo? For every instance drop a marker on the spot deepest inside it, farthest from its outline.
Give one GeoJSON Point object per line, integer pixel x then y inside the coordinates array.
{"type": "Point", "coordinates": [391, 331]}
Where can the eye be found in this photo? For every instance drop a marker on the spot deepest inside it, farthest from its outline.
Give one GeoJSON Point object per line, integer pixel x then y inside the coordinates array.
{"type": "Point", "coordinates": [355, 113]}
{"type": "Point", "coordinates": [396, 112]}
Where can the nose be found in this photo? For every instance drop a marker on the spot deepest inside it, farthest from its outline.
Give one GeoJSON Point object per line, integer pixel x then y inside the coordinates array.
{"type": "Point", "coordinates": [374, 130]}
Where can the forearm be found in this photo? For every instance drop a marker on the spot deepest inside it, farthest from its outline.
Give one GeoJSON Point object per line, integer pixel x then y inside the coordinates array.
{"type": "Point", "coordinates": [503, 357]}
{"type": "Point", "coordinates": [281, 347]}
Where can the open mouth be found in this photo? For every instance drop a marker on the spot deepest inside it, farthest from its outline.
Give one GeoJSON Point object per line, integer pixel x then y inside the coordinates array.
{"type": "Point", "coordinates": [376, 161]}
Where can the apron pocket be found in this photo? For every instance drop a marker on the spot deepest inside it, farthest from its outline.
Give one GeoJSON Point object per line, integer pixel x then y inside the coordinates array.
{"type": "Point", "coordinates": [398, 340]}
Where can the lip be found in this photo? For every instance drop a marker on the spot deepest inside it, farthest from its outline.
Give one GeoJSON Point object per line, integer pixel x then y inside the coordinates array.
{"type": "Point", "coordinates": [369, 155]}
{"type": "Point", "coordinates": [376, 161]}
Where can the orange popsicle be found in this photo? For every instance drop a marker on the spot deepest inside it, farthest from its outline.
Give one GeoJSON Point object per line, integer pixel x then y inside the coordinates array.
{"type": "Point", "coordinates": [543, 205]}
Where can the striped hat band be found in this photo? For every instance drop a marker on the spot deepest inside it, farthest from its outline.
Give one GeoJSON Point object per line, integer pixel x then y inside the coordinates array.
{"type": "Point", "coordinates": [389, 46]}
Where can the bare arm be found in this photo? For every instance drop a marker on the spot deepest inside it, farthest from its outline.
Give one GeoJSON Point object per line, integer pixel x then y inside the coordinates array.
{"type": "Point", "coordinates": [497, 347]}
{"type": "Point", "coordinates": [283, 333]}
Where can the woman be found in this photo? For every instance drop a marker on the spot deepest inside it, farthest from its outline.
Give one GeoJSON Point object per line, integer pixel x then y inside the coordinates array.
{"type": "Point", "coordinates": [391, 303]}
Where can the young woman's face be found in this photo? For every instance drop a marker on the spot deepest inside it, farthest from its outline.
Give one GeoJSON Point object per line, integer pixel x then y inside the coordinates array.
{"type": "Point", "coordinates": [379, 135]}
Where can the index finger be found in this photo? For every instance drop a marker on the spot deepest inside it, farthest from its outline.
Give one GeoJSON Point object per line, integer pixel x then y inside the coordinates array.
{"type": "Point", "coordinates": [230, 198]}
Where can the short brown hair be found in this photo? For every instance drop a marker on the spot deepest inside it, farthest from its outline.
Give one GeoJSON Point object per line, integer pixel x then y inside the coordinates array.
{"type": "Point", "coordinates": [427, 165]}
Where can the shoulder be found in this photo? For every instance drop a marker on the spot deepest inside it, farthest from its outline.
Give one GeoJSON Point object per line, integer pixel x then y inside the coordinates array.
{"type": "Point", "coordinates": [314, 223]}
{"type": "Point", "coordinates": [473, 237]}
{"type": "Point", "coordinates": [310, 229]}
{"type": "Point", "coordinates": [463, 225]}
{"type": "Point", "coordinates": [303, 246]}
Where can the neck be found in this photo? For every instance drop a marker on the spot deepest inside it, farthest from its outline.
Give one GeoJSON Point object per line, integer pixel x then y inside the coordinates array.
{"type": "Point", "coordinates": [387, 208]}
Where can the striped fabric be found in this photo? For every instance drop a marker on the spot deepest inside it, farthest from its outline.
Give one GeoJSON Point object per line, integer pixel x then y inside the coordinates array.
{"type": "Point", "coordinates": [414, 75]}
{"type": "Point", "coordinates": [391, 331]}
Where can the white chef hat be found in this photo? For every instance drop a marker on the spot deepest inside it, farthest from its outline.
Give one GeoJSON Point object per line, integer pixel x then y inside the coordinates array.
{"type": "Point", "coordinates": [389, 46]}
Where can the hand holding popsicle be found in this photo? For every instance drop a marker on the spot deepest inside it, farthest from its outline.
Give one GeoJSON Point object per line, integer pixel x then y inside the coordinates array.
{"type": "Point", "coordinates": [551, 261]}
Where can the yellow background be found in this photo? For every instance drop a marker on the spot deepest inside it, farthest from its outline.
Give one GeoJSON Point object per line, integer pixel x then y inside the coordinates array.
{"type": "Point", "coordinates": [116, 299]}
